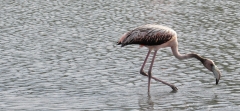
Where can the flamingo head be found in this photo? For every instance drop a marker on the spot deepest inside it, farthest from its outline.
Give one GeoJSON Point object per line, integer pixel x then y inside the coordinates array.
{"type": "Point", "coordinates": [209, 64]}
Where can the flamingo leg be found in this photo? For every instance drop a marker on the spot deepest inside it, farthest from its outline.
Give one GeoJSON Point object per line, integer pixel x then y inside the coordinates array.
{"type": "Point", "coordinates": [149, 77]}
{"type": "Point", "coordinates": [150, 71]}
{"type": "Point", "coordinates": [145, 61]}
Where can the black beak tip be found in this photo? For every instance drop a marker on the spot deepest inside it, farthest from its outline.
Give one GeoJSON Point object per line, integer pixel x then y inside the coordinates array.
{"type": "Point", "coordinates": [217, 81]}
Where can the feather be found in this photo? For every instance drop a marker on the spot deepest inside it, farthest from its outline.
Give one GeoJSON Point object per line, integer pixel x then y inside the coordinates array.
{"type": "Point", "coordinates": [147, 35]}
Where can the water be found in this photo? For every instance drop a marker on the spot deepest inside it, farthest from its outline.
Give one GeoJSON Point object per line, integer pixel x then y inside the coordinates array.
{"type": "Point", "coordinates": [62, 55]}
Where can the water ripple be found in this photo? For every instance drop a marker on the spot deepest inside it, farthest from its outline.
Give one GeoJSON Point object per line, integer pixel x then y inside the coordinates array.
{"type": "Point", "coordinates": [62, 55]}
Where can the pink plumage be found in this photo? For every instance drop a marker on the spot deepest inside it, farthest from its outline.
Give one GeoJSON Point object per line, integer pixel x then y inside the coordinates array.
{"type": "Point", "coordinates": [155, 37]}
{"type": "Point", "coordinates": [148, 35]}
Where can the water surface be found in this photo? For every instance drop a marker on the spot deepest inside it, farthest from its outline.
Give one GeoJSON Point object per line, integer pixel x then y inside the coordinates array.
{"type": "Point", "coordinates": [62, 55]}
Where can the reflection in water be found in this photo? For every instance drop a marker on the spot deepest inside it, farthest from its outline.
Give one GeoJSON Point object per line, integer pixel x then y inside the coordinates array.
{"type": "Point", "coordinates": [213, 101]}
{"type": "Point", "coordinates": [146, 103]}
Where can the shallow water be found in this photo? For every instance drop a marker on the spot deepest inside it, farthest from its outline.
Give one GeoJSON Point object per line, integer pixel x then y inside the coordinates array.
{"type": "Point", "coordinates": [62, 55]}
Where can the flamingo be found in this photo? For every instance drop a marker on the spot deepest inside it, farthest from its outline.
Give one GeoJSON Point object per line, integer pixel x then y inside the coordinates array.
{"type": "Point", "coordinates": [155, 37]}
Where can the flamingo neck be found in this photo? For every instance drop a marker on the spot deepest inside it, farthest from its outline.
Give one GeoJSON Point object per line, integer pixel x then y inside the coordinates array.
{"type": "Point", "coordinates": [185, 56]}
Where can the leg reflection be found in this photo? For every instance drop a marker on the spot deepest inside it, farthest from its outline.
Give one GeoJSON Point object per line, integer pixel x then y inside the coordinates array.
{"type": "Point", "coordinates": [145, 102]}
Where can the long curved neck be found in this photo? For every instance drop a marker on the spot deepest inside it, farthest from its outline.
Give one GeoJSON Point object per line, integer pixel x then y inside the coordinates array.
{"type": "Point", "coordinates": [186, 56]}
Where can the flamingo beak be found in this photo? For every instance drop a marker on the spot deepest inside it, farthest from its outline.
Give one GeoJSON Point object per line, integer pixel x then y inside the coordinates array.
{"type": "Point", "coordinates": [216, 73]}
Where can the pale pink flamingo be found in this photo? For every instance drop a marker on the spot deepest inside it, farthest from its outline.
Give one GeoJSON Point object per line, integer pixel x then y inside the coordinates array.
{"type": "Point", "coordinates": [155, 37]}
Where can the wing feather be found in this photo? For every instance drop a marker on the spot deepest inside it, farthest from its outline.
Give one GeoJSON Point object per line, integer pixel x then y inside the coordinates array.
{"type": "Point", "coordinates": [148, 35]}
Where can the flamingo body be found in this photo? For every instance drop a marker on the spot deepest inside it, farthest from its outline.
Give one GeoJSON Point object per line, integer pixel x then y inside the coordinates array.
{"type": "Point", "coordinates": [148, 35]}
{"type": "Point", "coordinates": [155, 37]}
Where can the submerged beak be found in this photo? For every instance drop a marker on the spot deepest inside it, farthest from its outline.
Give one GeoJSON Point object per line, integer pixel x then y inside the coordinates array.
{"type": "Point", "coordinates": [216, 73]}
